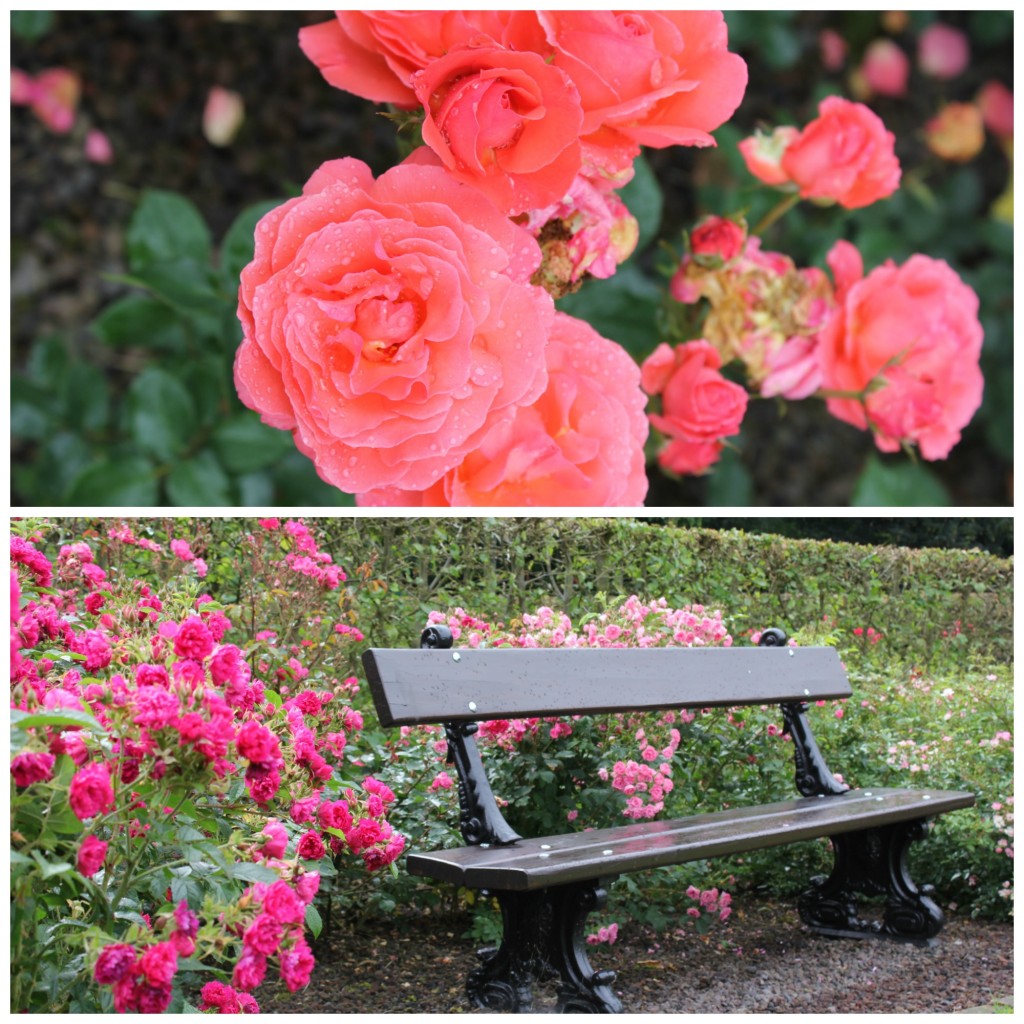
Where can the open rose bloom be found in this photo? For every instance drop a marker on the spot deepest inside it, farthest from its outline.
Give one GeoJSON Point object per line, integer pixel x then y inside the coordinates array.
{"type": "Point", "coordinates": [384, 321]}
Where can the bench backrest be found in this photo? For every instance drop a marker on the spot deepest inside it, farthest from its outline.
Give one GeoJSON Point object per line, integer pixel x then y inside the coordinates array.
{"type": "Point", "coordinates": [414, 687]}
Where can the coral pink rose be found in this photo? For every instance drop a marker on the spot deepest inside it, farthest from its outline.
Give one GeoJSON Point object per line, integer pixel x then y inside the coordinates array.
{"type": "Point", "coordinates": [845, 155]}
{"type": "Point", "coordinates": [908, 337]}
{"type": "Point", "coordinates": [504, 121]}
{"type": "Point", "coordinates": [689, 457]}
{"type": "Point", "coordinates": [697, 403]}
{"type": "Point", "coordinates": [580, 443]}
{"type": "Point", "coordinates": [374, 54]}
{"type": "Point", "coordinates": [645, 78]}
{"type": "Point", "coordinates": [763, 152]}
{"type": "Point", "coordinates": [718, 236]}
{"type": "Point", "coordinates": [385, 321]}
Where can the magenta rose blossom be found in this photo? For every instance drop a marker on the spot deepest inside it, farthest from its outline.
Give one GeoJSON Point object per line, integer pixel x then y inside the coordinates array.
{"type": "Point", "coordinates": [31, 767]}
{"type": "Point", "coordinates": [91, 855]}
{"type": "Point", "coordinates": [90, 792]}
{"type": "Point", "coordinates": [193, 639]}
{"type": "Point", "coordinates": [310, 846]}
{"type": "Point", "coordinates": [113, 963]}
{"type": "Point", "coordinates": [385, 321]}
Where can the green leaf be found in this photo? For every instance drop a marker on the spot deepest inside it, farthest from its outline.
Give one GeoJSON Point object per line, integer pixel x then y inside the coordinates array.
{"type": "Point", "coordinates": [250, 872]}
{"type": "Point", "coordinates": [729, 482]}
{"type": "Point", "coordinates": [141, 321]}
{"type": "Point", "coordinates": [239, 242]}
{"type": "Point", "coordinates": [85, 398]}
{"type": "Point", "coordinates": [48, 361]}
{"type": "Point", "coordinates": [898, 483]}
{"type": "Point", "coordinates": [255, 489]}
{"type": "Point", "coordinates": [126, 481]}
{"type": "Point", "coordinates": [199, 481]}
{"type": "Point", "coordinates": [298, 484]}
{"type": "Point", "coordinates": [166, 226]}
{"type": "Point", "coordinates": [162, 414]}
{"type": "Point", "coordinates": [313, 921]}
{"type": "Point", "coordinates": [643, 198]}
{"type": "Point", "coordinates": [31, 410]}
{"type": "Point", "coordinates": [245, 444]}
{"type": "Point", "coordinates": [54, 719]}
{"type": "Point", "coordinates": [623, 308]}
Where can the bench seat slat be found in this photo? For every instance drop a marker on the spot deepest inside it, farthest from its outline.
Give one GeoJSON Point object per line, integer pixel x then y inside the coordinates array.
{"type": "Point", "coordinates": [410, 687]}
{"type": "Point", "coordinates": [554, 860]}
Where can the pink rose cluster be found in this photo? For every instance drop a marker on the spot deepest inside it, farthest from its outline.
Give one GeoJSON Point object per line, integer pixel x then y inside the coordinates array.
{"type": "Point", "coordinates": [174, 704]}
{"type": "Point", "coordinates": [896, 351]}
{"type": "Point", "coordinates": [402, 328]}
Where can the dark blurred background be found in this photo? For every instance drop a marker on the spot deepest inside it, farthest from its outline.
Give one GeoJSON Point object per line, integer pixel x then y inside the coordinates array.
{"type": "Point", "coordinates": [80, 435]}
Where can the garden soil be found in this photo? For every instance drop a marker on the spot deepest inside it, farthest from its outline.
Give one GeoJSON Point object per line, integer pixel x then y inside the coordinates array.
{"type": "Point", "coordinates": [763, 961]}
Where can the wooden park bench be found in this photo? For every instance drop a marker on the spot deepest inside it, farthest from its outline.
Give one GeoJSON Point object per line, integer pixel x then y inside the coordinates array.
{"type": "Point", "coordinates": [547, 886]}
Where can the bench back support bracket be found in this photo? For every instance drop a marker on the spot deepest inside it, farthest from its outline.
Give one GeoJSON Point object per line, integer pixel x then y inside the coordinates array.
{"type": "Point", "coordinates": [812, 775]}
{"type": "Point", "coordinates": [480, 821]}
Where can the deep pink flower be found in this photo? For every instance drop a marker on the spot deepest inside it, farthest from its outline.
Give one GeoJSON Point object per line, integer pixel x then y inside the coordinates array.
{"type": "Point", "coordinates": [307, 885]}
{"type": "Point", "coordinates": [297, 965]}
{"type": "Point", "coordinates": [90, 792]}
{"type": "Point", "coordinates": [193, 639]}
{"type": "Point", "coordinates": [943, 51]}
{"type": "Point", "coordinates": [335, 815]}
{"type": "Point", "coordinates": [215, 995]}
{"type": "Point", "coordinates": [151, 675]}
{"type": "Point", "coordinates": [113, 963]}
{"type": "Point", "coordinates": [31, 767]}
{"type": "Point", "coordinates": [886, 68]}
{"type": "Point", "coordinates": [258, 744]}
{"type": "Point", "coordinates": [250, 970]}
{"type": "Point", "coordinates": [263, 935]}
{"type": "Point", "coordinates": [277, 839]}
{"type": "Point", "coordinates": [91, 855]}
{"type": "Point", "coordinates": [159, 964]}
{"type": "Point", "coordinates": [310, 847]}
{"type": "Point", "coordinates": [283, 904]}
{"type": "Point", "coordinates": [228, 667]}
{"type": "Point", "coordinates": [263, 782]}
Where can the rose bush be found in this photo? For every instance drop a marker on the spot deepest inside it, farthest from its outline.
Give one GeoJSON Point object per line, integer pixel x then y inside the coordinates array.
{"type": "Point", "coordinates": [161, 772]}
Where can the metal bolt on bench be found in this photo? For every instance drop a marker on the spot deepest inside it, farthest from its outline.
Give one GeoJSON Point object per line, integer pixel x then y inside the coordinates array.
{"type": "Point", "coordinates": [547, 886]}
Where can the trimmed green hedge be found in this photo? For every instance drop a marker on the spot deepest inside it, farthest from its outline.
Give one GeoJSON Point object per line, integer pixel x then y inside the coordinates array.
{"type": "Point", "coordinates": [950, 606]}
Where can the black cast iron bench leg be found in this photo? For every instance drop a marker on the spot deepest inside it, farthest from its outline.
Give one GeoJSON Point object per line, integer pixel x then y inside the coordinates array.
{"type": "Point", "coordinates": [873, 862]}
{"type": "Point", "coordinates": [543, 938]}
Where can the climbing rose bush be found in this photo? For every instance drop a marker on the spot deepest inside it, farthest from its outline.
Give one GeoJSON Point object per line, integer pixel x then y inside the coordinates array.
{"type": "Point", "coordinates": [402, 329]}
{"type": "Point", "coordinates": [181, 783]}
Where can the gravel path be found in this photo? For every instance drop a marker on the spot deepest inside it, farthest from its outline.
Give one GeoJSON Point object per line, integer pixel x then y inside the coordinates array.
{"type": "Point", "coordinates": [765, 961]}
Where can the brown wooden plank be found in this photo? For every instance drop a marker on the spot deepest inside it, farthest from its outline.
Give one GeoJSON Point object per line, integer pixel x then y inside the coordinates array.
{"type": "Point", "coordinates": [419, 686]}
{"type": "Point", "coordinates": [554, 860]}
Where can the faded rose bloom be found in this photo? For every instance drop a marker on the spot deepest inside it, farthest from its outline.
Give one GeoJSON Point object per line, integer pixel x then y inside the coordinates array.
{"type": "Point", "coordinates": [91, 855]}
{"type": "Point", "coordinates": [52, 94]}
{"type": "Point", "coordinates": [909, 339]}
{"type": "Point", "coordinates": [845, 155]}
{"type": "Point", "coordinates": [581, 443]}
{"type": "Point", "coordinates": [386, 320]}
{"type": "Point", "coordinates": [503, 121]}
{"type": "Point", "coordinates": [222, 116]}
{"type": "Point", "coordinates": [833, 49]}
{"type": "Point", "coordinates": [698, 403]}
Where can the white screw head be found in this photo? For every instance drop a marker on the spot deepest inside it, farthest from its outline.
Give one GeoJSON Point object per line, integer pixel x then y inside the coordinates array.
{"type": "Point", "coordinates": [456, 656]}
{"type": "Point", "coordinates": [472, 705]}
